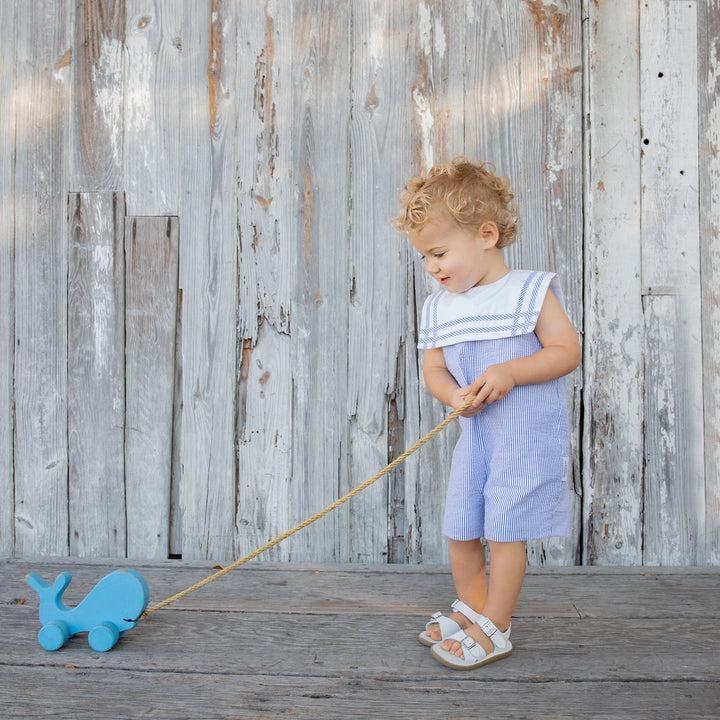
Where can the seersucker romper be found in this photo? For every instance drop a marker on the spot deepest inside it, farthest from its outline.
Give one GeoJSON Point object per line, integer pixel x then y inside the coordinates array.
{"type": "Point", "coordinates": [508, 478]}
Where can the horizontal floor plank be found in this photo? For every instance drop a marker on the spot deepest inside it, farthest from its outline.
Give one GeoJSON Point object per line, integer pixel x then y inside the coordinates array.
{"type": "Point", "coordinates": [131, 694]}
{"type": "Point", "coordinates": [587, 592]}
{"type": "Point", "coordinates": [318, 641]}
{"type": "Point", "coordinates": [368, 646]}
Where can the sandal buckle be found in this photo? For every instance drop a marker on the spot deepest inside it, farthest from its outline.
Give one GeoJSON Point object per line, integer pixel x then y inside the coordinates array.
{"type": "Point", "coordinates": [488, 627]}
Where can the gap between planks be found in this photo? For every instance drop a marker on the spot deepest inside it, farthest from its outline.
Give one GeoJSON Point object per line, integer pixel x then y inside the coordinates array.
{"type": "Point", "coordinates": [366, 607]}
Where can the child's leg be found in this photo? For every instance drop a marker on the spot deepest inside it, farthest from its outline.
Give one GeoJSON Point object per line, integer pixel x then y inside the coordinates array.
{"type": "Point", "coordinates": [467, 560]}
{"type": "Point", "coordinates": [507, 571]}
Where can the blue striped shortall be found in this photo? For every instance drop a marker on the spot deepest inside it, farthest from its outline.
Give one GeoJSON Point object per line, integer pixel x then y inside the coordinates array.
{"type": "Point", "coordinates": [508, 479]}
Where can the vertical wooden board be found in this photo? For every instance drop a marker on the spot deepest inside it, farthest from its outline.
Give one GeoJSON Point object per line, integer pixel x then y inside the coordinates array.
{"type": "Point", "coordinates": [437, 80]}
{"type": "Point", "coordinates": [448, 86]}
{"type": "Point", "coordinates": [437, 91]}
{"type": "Point", "coordinates": [551, 143]}
{"type": "Point", "coordinates": [97, 97]}
{"type": "Point", "coordinates": [264, 446]}
{"type": "Point", "coordinates": [549, 189]}
{"type": "Point", "coordinates": [265, 198]}
{"type": "Point", "coordinates": [152, 107]}
{"type": "Point", "coordinates": [550, 137]}
{"type": "Point", "coordinates": [613, 348]}
{"type": "Point", "coordinates": [40, 282]}
{"type": "Point", "coordinates": [265, 217]}
{"type": "Point", "coordinates": [151, 262]}
{"type": "Point", "coordinates": [96, 373]}
{"type": "Point", "coordinates": [208, 280]}
{"type": "Point", "coordinates": [674, 482]}
{"type": "Point", "coordinates": [674, 508]}
{"type": "Point", "coordinates": [494, 88]}
{"type": "Point", "coordinates": [668, 101]}
{"type": "Point", "coordinates": [709, 185]}
{"type": "Point", "coordinates": [379, 121]}
{"type": "Point", "coordinates": [319, 308]}
{"type": "Point", "coordinates": [7, 233]}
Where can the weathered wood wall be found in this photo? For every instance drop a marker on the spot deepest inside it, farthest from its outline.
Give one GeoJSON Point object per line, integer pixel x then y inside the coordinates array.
{"type": "Point", "coordinates": [207, 326]}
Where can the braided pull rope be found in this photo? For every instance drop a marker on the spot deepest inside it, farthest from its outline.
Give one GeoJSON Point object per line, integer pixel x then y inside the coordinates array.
{"type": "Point", "coordinates": [316, 516]}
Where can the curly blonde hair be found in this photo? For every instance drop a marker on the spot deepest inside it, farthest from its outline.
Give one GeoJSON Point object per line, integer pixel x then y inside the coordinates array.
{"type": "Point", "coordinates": [470, 193]}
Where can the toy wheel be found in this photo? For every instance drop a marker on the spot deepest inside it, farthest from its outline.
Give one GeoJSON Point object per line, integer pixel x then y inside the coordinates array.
{"type": "Point", "coordinates": [102, 637]}
{"type": "Point", "coordinates": [53, 635]}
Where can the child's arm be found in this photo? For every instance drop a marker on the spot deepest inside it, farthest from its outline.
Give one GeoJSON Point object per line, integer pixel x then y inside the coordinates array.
{"type": "Point", "coordinates": [442, 384]}
{"type": "Point", "coordinates": [559, 356]}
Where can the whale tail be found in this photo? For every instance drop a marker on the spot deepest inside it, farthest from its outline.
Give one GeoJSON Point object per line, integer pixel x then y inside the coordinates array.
{"type": "Point", "coordinates": [49, 593]}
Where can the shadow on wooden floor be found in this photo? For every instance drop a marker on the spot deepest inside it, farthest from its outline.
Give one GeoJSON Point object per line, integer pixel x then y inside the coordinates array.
{"type": "Point", "coordinates": [335, 641]}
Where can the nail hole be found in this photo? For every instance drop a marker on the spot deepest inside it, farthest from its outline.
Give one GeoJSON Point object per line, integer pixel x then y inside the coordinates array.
{"type": "Point", "coordinates": [646, 141]}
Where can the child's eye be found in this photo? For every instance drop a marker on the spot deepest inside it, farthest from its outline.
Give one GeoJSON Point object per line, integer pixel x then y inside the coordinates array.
{"type": "Point", "coordinates": [438, 255]}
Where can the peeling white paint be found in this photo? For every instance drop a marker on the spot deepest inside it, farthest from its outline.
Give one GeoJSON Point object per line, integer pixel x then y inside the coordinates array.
{"type": "Point", "coordinates": [377, 42]}
{"type": "Point", "coordinates": [713, 119]}
{"type": "Point", "coordinates": [551, 171]}
{"type": "Point", "coordinates": [422, 107]}
{"type": "Point", "coordinates": [439, 38]}
{"type": "Point", "coordinates": [108, 90]}
{"type": "Point", "coordinates": [139, 92]}
{"type": "Point", "coordinates": [425, 28]}
{"type": "Point", "coordinates": [431, 33]}
{"type": "Point", "coordinates": [103, 306]}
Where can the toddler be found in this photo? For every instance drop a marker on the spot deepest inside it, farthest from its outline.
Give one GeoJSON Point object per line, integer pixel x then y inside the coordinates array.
{"type": "Point", "coordinates": [502, 336]}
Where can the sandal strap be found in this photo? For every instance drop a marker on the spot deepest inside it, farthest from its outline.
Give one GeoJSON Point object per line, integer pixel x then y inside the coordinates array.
{"type": "Point", "coordinates": [446, 625]}
{"type": "Point", "coordinates": [466, 610]}
{"type": "Point", "coordinates": [499, 639]}
{"type": "Point", "coordinates": [472, 650]}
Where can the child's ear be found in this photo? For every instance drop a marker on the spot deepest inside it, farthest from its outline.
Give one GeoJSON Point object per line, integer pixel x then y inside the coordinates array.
{"type": "Point", "coordinates": [489, 234]}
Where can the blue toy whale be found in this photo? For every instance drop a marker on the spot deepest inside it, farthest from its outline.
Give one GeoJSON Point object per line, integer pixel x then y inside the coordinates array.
{"type": "Point", "coordinates": [113, 606]}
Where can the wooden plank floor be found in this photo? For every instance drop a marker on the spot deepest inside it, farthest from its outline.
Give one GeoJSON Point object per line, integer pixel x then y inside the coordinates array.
{"type": "Point", "coordinates": [337, 641]}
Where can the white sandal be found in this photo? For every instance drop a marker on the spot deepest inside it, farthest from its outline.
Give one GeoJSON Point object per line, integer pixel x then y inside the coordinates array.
{"type": "Point", "coordinates": [474, 655]}
{"type": "Point", "coordinates": [448, 627]}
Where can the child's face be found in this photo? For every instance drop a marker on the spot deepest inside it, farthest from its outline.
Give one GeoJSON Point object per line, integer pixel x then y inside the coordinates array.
{"type": "Point", "coordinates": [459, 258]}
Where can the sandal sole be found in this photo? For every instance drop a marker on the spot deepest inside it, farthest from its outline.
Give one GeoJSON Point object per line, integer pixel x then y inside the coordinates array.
{"type": "Point", "coordinates": [427, 641]}
{"type": "Point", "coordinates": [472, 666]}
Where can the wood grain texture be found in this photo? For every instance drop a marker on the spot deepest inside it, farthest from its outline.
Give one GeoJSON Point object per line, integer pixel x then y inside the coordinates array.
{"type": "Point", "coordinates": [674, 507]}
{"type": "Point", "coordinates": [709, 214]}
{"type": "Point", "coordinates": [374, 290]}
{"type": "Point", "coordinates": [550, 197]}
{"type": "Point", "coordinates": [494, 87]}
{"type": "Point", "coordinates": [40, 282]}
{"type": "Point", "coordinates": [319, 307]}
{"type": "Point", "coordinates": [152, 107]}
{"type": "Point", "coordinates": [174, 696]}
{"type": "Point", "coordinates": [280, 134]}
{"type": "Point", "coordinates": [151, 278]}
{"type": "Point", "coordinates": [208, 279]}
{"type": "Point", "coordinates": [197, 660]}
{"type": "Point", "coordinates": [614, 326]}
{"type": "Point", "coordinates": [96, 374]}
{"type": "Point", "coordinates": [436, 92]}
{"type": "Point", "coordinates": [266, 201]}
{"type": "Point", "coordinates": [674, 478]}
{"type": "Point", "coordinates": [97, 98]}
{"type": "Point", "coordinates": [7, 252]}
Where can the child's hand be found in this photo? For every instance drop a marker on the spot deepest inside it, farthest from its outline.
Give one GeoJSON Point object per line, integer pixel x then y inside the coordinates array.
{"type": "Point", "coordinates": [460, 397]}
{"type": "Point", "coordinates": [493, 385]}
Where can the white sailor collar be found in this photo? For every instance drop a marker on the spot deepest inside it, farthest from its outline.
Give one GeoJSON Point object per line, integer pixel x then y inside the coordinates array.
{"type": "Point", "coordinates": [508, 307]}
